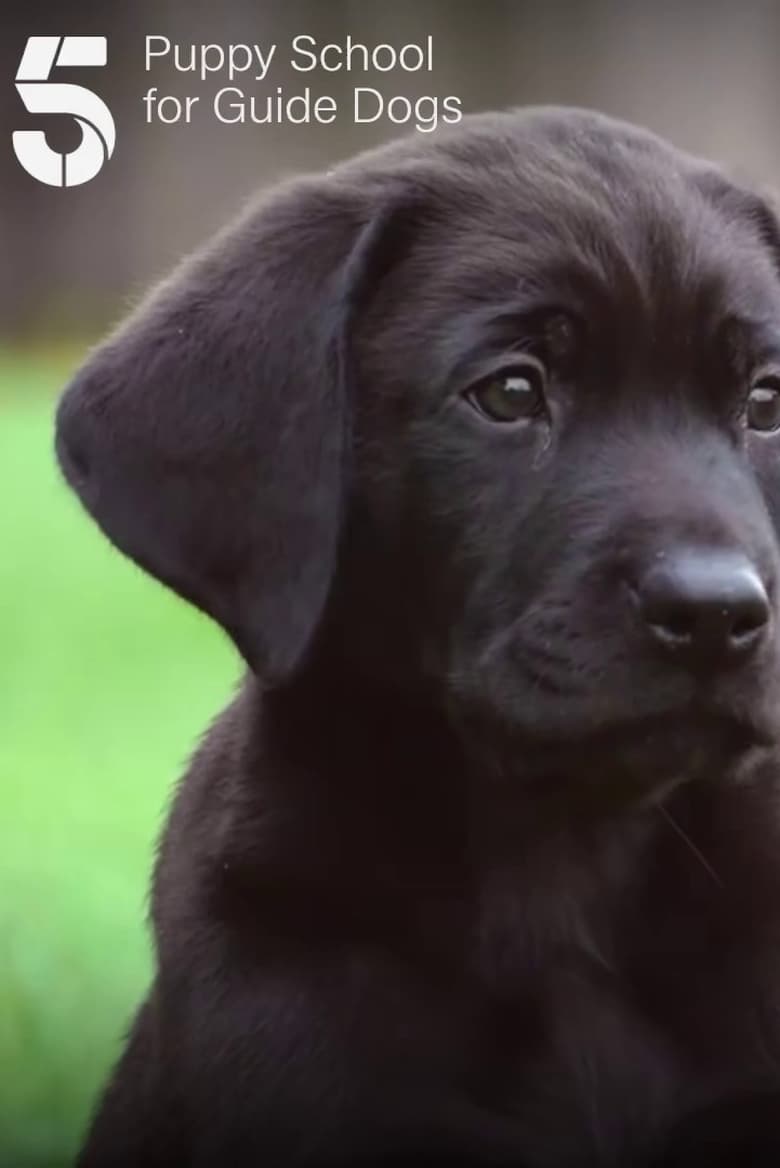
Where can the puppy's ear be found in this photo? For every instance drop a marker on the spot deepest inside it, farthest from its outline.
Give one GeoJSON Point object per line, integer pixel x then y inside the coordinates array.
{"type": "Point", "coordinates": [766, 217]}
{"type": "Point", "coordinates": [208, 437]}
{"type": "Point", "coordinates": [759, 207]}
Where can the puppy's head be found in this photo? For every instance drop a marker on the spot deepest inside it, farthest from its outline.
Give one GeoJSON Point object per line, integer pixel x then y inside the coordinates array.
{"type": "Point", "coordinates": [495, 419]}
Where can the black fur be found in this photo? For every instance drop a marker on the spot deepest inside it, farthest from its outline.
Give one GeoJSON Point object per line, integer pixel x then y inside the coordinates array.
{"type": "Point", "coordinates": [467, 872]}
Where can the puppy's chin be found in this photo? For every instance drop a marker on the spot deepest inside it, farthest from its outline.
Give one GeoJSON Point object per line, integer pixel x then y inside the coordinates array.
{"type": "Point", "coordinates": [637, 765]}
{"type": "Point", "coordinates": [622, 766]}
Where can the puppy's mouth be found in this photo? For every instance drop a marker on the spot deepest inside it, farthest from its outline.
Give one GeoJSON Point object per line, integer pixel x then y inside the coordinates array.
{"type": "Point", "coordinates": [707, 721]}
{"type": "Point", "coordinates": [625, 763]}
{"type": "Point", "coordinates": [639, 761]}
{"type": "Point", "coordinates": [616, 744]}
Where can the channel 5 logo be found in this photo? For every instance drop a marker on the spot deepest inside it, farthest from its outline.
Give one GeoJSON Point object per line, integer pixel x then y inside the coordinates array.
{"type": "Point", "coordinates": [43, 96]}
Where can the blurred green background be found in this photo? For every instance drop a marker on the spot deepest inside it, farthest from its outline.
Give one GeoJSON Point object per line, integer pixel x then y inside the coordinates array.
{"type": "Point", "coordinates": [107, 681]}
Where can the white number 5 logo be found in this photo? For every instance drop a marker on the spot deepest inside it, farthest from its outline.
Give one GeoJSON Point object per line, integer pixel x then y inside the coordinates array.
{"type": "Point", "coordinates": [41, 96]}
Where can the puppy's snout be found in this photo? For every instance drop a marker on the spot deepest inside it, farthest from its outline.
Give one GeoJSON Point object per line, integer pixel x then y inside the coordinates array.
{"type": "Point", "coordinates": [706, 608]}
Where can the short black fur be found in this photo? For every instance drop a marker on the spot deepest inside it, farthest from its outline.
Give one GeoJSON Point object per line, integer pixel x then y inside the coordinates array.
{"type": "Point", "coordinates": [474, 869]}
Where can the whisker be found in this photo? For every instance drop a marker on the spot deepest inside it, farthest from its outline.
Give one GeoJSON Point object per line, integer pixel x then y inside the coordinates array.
{"type": "Point", "coordinates": [689, 844]}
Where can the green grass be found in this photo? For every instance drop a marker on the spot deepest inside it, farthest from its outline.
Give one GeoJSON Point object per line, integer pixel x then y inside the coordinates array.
{"type": "Point", "coordinates": [106, 681]}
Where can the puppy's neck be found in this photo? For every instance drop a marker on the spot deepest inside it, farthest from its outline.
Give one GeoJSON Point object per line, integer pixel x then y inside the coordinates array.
{"type": "Point", "coordinates": [406, 823]}
{"type": "Point", "coordinates": [399, 758]}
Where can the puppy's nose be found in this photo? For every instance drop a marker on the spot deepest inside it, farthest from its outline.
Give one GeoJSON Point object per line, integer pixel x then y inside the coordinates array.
{"type": "Point", "coordinates": [708, 608]}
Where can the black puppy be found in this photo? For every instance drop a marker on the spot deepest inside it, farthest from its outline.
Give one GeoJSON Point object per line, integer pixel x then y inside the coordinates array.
{"type": "Point", "coordinates": [472, 447]}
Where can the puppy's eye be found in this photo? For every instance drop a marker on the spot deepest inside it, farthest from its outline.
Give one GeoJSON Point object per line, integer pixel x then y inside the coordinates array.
{"type": "Point", "coordinates": [763, 404]}
{"type": "Point", "coordinates": [511, 396]}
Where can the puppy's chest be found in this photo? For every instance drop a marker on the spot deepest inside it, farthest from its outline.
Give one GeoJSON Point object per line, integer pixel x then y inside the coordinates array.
{"type": "Point", "coordinates": [589, 1080]}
